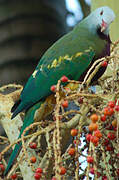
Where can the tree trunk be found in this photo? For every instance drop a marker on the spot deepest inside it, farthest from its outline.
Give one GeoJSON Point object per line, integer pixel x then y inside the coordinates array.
{"type": "Point", "coordinates": [27, 29]}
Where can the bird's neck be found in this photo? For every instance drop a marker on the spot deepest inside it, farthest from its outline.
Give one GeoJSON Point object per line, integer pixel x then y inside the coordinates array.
{"type": "Point", "coordinates": [103, 36]}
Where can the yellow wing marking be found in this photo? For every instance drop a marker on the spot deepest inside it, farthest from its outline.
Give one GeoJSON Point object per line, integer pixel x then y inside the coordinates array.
{"type": "Point", "coordinates": [34, 73]}
{"type": "Point", "coordinates": [78, 54]}
{"type": "Point", "coordinates": [54, 63]}
{"type": "Point", "coordinates": [58, 61]}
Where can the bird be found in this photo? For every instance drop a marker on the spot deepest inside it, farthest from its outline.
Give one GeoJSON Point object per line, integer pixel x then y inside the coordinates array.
{"type": "Point", "coordinates": [72, 55]}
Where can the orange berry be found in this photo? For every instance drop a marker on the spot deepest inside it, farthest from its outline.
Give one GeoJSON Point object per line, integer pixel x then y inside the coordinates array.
{"type": "Point", "coordinates": [74, 132]}
{"type": "Point", "coordinates": [62, 170]}
{"type": "Point", "coordinates": [71, 151]}
{"type": "Point", "coordinates": [94, 118]}
{"type": "Point", "coordinates": [65, 104]}
{"type": "Point", "coordinates": [114, 123]}
{"type": "Point", "coordinates": [33, 159]}
{"type": "Point", "coordinates": [93, 127]}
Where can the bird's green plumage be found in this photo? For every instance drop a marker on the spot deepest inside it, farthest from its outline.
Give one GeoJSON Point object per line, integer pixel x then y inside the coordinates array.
{"type": "Point", "coordinates": [38, 85]}
{"type": "Point", "coordinates": [70, 56]}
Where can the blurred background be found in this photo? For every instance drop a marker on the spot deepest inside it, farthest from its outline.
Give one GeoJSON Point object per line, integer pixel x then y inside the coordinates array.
{"type": "Point", "coordinates": [28, 28]}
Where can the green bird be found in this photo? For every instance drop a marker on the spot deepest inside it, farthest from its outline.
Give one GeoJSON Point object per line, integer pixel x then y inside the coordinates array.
{"type": "Point", "coordinates": [72, 56]}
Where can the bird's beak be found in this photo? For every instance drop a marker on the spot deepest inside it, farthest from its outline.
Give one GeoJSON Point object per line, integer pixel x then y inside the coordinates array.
{"type": "Point", "coordinates": [104, 25]}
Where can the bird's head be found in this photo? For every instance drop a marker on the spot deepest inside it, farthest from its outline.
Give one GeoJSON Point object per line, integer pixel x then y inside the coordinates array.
{"type": "Point", "coordinates": [101, 18]}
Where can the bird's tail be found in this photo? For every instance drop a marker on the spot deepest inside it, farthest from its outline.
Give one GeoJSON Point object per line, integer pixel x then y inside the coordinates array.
{"type": "Point", "coordinates": [29, 119]}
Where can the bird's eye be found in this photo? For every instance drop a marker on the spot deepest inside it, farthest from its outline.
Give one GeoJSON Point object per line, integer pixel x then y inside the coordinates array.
{"type": "Point", "coordinates": [101, 13]}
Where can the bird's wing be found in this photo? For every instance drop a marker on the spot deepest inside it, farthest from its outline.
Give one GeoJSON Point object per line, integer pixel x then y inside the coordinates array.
{"type": "Point", "coordinates": [46, 75]}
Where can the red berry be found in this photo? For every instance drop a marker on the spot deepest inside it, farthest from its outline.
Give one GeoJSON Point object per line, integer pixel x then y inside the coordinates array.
{"type": "Point", "coordinates": [90, 159]}
{"type": "Point", "coordinates": [103, 118]}
{"type": "Point", "coordinates": [62, 170]}
{"type": "Point", "coordinates": [92, 171]}
{"type": "Point", "coordinates": [111, 136]}
{"type": "Point", "coordinates": [108, 111]}
{"type": "Point", "coordinates": [110, 127]}
{"type": "Point", "coordinates": [117, 171]}
{"type": "Point", "coordinates": [74, 132]}
{"type": "Point", "coordinates": [115, 129]}
{"type": "Point", "coordinates": [110, 162]}
{"type": "Point", "coordinates": [64, 79]}
{"type": "Point", "coordinates": [33, 159]}
{"type": "Point", "coordinates": [60, 117]}
{"type": "Point", "coordinates": [2, 168]}
{"type": "Point", "coordinates": [104, 64]}
{"type": "Point", "coordinates": [111, 111]}
{"type": "Point", "coordinates": [111, 104]}
{"type": "Point", "coordinates": [94, 139]}
{"type": "Point", "coordinates": [54, 178]}
{"type": "Point", "coordinates": [74, 141]}
{"type": "Point", "coordinates": [94, 118]}
{"type": "Point", "coordinates": [71, 151]}
{"type": "Point", "coordinates": [80, 100]}
{"type": "Point", "coordinates": [98, 134]}
{"type": "Point", "coordinates": [109, 148]}
{"type": "Point", "coordinates": [13, 176]}
{"type": "Point", "coordinates": [65, 104]}
{"type": "Point", "coordinates": [39, 170]}
{"type": "Point", "coordinates": [98, 174]}
{"type": "Point", "coordinates": [117, 108]}
{"type": "Point", "coordinates": [104, 178]}
{"type": "Point", "coordinates": [53, 88]}
{"type": "Point", "coordinates": [106, 142]}
{"type": "Point", "coordinates": [32, 145]}
{"type": "Point", "coordinates": [88, 137]}
{"type": "Point", "coordinates": [37, 176]}
{"type": "Point", "coordinates": [67, 89]}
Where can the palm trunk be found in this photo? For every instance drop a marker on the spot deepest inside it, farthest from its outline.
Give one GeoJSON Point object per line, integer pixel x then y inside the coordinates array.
{"type": "Point", "coordinates": [27, 29]}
